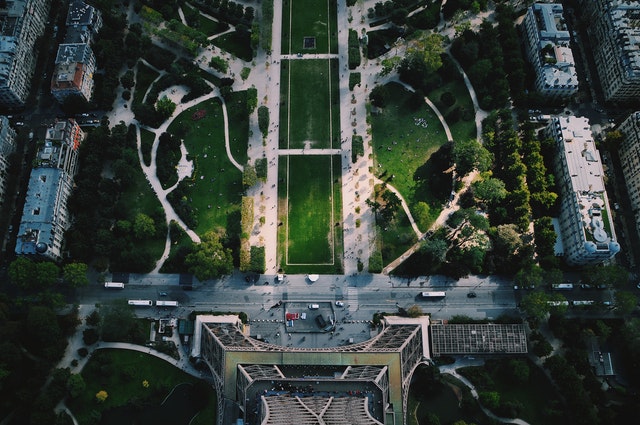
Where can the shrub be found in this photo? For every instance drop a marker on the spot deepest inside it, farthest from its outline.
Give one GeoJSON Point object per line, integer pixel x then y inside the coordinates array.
{"type": "Point", "coordinates": [258, 262]}
{"type": "Point", "coordinates": [83, 352]}
{"type": "Point", "coordinates": [355, 78]}
{"type": "Point", "coordinates": [261, 168]}
{"type": "Point", "coordinates": [89, 336]}
{"type": "Point", "coordinates": [219, 64]}
{"type": "Point", "coordinates": [354, 49]}
{"type": "Point", "coordinates": [375, 262]}
{"type": "Point", "coordinates": [244, 74]}
{"type": "Point", "coordinates": [357, 147]}
{"type": "Point", "coordinates": [263, 120]}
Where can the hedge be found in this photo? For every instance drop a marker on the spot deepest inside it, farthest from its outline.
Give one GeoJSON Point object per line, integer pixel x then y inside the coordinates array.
{"type": "Point", "coordinates": [354, 49]}
{"type": "Point", "coordinates": [355, 78]}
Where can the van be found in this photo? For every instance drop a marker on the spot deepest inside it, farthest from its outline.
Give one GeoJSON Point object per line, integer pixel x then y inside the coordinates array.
{"type": "Point", "coordinates": [313, 306]}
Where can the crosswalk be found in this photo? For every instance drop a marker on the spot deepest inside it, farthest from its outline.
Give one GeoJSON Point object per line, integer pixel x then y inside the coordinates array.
{"type": "Point", "coordinates": [352, 299]}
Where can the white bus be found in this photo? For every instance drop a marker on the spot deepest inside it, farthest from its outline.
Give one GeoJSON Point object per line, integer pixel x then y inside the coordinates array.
{"type": "Point", "coordinates": [562, 286]}
{"type": "Point", "coordinates": [583, 302]}
{"type": "Point", "coordinates": [145, 303]}
{"type": "Point", "coordinates": [166, 303]}
{"type": "Point", "coordinates": [435, 294]}
{"type": "Point", "coordinates": [118, 285]}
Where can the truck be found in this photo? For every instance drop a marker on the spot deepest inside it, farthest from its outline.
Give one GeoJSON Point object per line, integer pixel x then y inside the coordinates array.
{"type": "Point", "coordinates": [160, 303]}
{"type": "Point", "coordinates": [117, 285]}
{"type": "Point", "coordinates": [433, 294]}
{"type": "Point", "coordinates": [141, 303]}
{"type": "Point", "coordinates": [562, 286]}
{"type": "Point", "coordinates": [320, 321]}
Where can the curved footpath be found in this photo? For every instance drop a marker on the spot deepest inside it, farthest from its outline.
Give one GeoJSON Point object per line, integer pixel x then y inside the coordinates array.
{"type": "Point", "coordinates": [452, 371]}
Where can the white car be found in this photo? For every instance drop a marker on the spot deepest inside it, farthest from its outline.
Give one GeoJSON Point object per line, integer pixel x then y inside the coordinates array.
{"type": "Point", "coordinates": [339, 304]}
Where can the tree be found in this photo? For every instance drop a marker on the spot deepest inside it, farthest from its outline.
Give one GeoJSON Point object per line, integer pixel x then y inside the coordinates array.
{"type": "Point", "coordinates": [435, 249]}
{"type": "Point", "coordinates": [209, 259]}
{"type": "Point", "coordinates": [21, 272]}
{"type": "Point", "coordinates": [428, 48]}
{"type": "Point", "coordinates": [625, 302]}
{"type": "Point", "coordinates": [469, 155]}
{"type": "Point", "coordinates": [249, 176]}
{"type": "Point", "coordinates": [422, 216]}
{"type": "Point", "coordinates": [490, 190]}
{"type": "Point", "coordinates": [379, 96]}
{"type": "Point", "coordinates": [165, 107]}
{"type": "Point", "coordinates": [490, 399]}
{"type": "Point", "coordinates": [414, 311]}
{"type": "Point", "coordinates": [535, 305]}
{"type": "Point", "coordinates": [529, 277]}
{"type": "Point", "coordinates": [610, 275]}
{"type": "Point", "coordinates": [76, 385]}
{"type": "Point", "coordinates": [75, 274]}
{"type": "Point", "coordinates": [101, 396]}
{"type": "Point", "coordinates": [389, 65]}
{"type": "Point", "coordinates": [143, 226]}
{"type": "Point", "coordinates": [119, 323]}
{"type": "Point", "coordinates": [46, 274]}
{"type": "Point", "coordinates": [43, 334]}
{"type": "Point", "coordinates": [263, 120]}
{"type": "Point", "coordinates": [399, 16]}
{"type": "Point", "coordinates": [128, 79]}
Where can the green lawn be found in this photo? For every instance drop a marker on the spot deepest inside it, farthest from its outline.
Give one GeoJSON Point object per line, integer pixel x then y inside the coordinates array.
{"type": "Point", "coordinates": [144, 77]}
{"type": "Point", "coordinates": [309, 208]}
{"type": "Point", "coordinates": [404, 150]}
{"type": "Point", "coordinates": [397, 237]}
{"type": "Point", "coordinates": [309, 112]}
{"type": "Point", "coordinates": [120, 373]}
{"type": "Point", "coordinates": [236, 43]}
{"type": "Point", "coordinates": [238, 125]}
{"type": "Point", "coordinates": [216, 186]}
{"type": "Point", "coordinates": [464, 127]}
{"type": "Point", "coordinates": [146, 144]}
{"type": "Point", "coordinates": [309, 18]}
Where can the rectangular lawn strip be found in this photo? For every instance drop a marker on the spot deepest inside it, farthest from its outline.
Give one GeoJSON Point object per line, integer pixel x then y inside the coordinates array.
{"type": "Point", "coordinates": [404, 140]}
{"type": "Point", "coordinates": [464, 127]}
{"type": "Point", "coordinates": [146, 144]}
{"type": "Point", "coordinates": [144, 78]}
{"type": "Point", "coordinates": [310, 238]}
{"type": "Point", "coordinates": [312, 103]}
{"type": "Point", "coordinates": [238, 117]}
{"type": "Point", "coordinates": [309, 18]}
{"type": "Point", "coordinates": [121, 374]}
{"type": "Point", "coordinates": [283, 118]}
{"type": "Point", "coordinates": [331, 267]}
{"type": "Point", "coordinates": [216, 186]}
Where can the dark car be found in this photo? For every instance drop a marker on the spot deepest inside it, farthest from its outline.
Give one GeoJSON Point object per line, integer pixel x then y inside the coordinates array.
{"type": "Point", "coordinates": [320, 321]}
{"type": "Point", "coordinates": [471, 295]}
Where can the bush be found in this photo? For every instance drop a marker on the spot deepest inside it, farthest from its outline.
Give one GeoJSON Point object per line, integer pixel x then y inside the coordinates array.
{"type": "Point", "coordinates": [355, 78]}
{"type": "Point", "coordinates": [258, 261]}
{"type": "Point", "coordinates": [89, 336]}
{"type": "Point", "coordinates": [263, 120]}
{"type": "Point", "coordinates": [375, 262]}
{"type": "Point", "coordinates": [357, 148]}
{"type": "Point", "coordinates": [261, 168]}
{"type": "Point", "coordinates": [219, 64]}
{"type": "Point", "coordinates": [354, 49]}
{"type": "Point", "coordinates": [83, 352]}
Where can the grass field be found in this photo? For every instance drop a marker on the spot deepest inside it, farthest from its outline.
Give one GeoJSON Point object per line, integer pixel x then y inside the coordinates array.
{"type": "Point", "coordinates": [144, 78]}
{"type": "Point", "coordinates": [464, 127]}
{"type": "Point", "coordinates": [236, 43]}
{"type": "Point", "coordinates": [309, 18]}
{"type": "Point", "coordinates": [309, 111]}
{"type": "Point", "coordinates": [120, 373]}
{"type": "Point", "coordinates": [404, 150]}
{"type": "Point", "coordinates": [216, 186]}
{"type": "Point", "coordinates": [309, 208]}
{"type": "Point", "coordinates": [146, 145]}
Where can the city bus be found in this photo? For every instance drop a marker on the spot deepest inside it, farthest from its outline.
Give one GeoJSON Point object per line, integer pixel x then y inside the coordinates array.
{"type": "Point", "coordinates": [433, 294]}
{"type": "Point", "coordinates": [166, 303]}
{"type": "Point", "coordinates": [117, 285]}
{"type": "Point", "coordinates": [141, 303]}
{"type": "Point", "coordinates": [562, 286]}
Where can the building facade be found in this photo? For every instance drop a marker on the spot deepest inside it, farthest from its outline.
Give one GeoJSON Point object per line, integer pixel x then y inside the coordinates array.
{"type": "Point", "coordinates": [547, 44]}
{"type": "Point", "coordinates": [75, 62]}
{"type": "Point", "coordinates": [22, 22]}
{"type": "Point", "coordinates": [614, 32]}
{"type": "Point", "coordinates": [629, 152]}
{"type": "Point", "coordinates": [270, 383]}
{"type": "Point", "coordinates": [586, 224]}
{"type": "Point", "coordinates": [45, 217]}
{"type": "Point", "coordinates": [7, 147]}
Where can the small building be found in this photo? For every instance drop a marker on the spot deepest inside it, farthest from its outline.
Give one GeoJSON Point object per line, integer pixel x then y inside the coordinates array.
{"type": "Point", "coordinates": [73, 72]}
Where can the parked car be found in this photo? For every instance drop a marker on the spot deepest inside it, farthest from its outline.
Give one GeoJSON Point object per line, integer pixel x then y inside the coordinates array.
{"type": "Point", "coordinates": [471, 295]}
{"type": "Point", "coordinates": [339, 304]}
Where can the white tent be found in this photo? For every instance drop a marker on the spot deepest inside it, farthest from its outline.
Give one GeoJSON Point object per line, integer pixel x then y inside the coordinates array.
{"type": "Point", "coordinates": [313, 277]}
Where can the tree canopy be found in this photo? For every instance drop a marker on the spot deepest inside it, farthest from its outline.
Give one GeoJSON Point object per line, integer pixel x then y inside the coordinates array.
{"type": "Point", "coordinates": [469, 155]}
{"type": "Point", "coordinates": [210, 259]}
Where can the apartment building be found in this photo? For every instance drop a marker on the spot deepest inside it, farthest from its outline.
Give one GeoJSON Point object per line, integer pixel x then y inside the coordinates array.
{"type": "Point", "coordinates": [73, 73]}
{"type": "Point", "coordinates": [7, 147]}
{"type": "Point", "coordinates": [547, 45]}
{"type": "Point", "coordinates": [22, 22]}
{"type": "Point", "coordinates": [45, 217]}
{"type": "Point", "coordinates": [586, 224]}
{"type": "Point", "coordinates": [75, 62]}
{"type": "Point", "coordinates": [614, 32]}
{"type": "Point", "coordinates": [629, 151]}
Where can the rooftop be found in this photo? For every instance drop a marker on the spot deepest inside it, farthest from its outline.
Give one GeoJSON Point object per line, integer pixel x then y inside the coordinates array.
{"type": "Point", "coordinates": [478, 338]}
{"type": "Point", "coordinates": [625, 19]}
